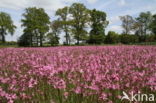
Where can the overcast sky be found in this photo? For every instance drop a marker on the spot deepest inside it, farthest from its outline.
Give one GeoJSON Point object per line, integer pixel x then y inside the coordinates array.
{"type": "Point", "coordinates": [113, 8]}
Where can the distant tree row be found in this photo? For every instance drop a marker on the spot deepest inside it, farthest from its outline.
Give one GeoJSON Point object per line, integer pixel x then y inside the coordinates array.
{"type": "Point", "coordinates": [143, 27]}
{"type": "Point", "coordinates": [74, 21]}
{"type": "Point", "coordinates": [79, 25]}
{"type": "Point", "coordinates": [135, 30]}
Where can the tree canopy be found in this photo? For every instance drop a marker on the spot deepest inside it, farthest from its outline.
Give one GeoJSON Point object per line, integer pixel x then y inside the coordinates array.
{"type": "Point", "coordinates": [153, 24]}
{"type": "Point", "coordinates": [63, 14]}
{"type": "Point", "coordinates": [6, 25]}
{"type": "Point", "coordinates": [127, 23]}
{"type": "Point", "coordinates": [79, 14]}
{"type": "Point", "coordinates": [36, 22]}
{"type": "Point", "coordinates": [77, 24]}
{"type": "Point", "coordinates": [98, 25]}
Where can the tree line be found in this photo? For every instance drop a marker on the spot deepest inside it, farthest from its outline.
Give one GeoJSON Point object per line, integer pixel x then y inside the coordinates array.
{"type": "Point", "coordinates": [78, 24]}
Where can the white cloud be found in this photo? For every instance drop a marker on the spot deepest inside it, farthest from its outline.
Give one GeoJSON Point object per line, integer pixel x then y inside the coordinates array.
{"type": "Point", "coordinates": [47, 4]}
{"type": "Point", "coordinates": [134, 11]}
{"type": "Point", "coordinates": [17, 5]}
{"type": "Point", "coordinates": [114, 19]}
{"type": "Point", "coordinates": [116, 28]}
{"type": "Point", "coordinates": [122, 2]}
{"type": "Point", "coordinates": [114, 9]}
{"type": "Point", "coordinates": [13, 4]}
{"type": "Point", "coordinates": [105, 5]}
{"type": "Point", "coordinates": [92, 1]}
{"type": "Point", "coordinates": [18, 32]}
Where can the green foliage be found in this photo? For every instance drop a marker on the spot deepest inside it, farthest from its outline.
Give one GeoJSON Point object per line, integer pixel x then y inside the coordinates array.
{"type": "Point", "coordinates": [53, 36]}
{"type": "Point", "coordinates": [153, 24]}
{"type": "Point", "coordinates": [127, 23]}
{"type": "Point", "coordinates": [63, 14]}
{"type": "Point", "coordinates": [56, 26]}
{"type": "Point", "coordinates": [128, 39]}
{"type": "Point", "coordinates": [144, 20]}
{"type": "Point", "coordinates": [74, 22]}
{"type": "Point", "coordinates": [145, 43]}
{"type": "Point", "coordinates": [36, 23]}
{"type": "Point", "coordinates": [150, 38]}
{"type": "Point", "coordinates": [6, 26]}
{"type": "Point", "coordinates": [24, 40]}
{"type": "Point", "coordinates": [140, 26]}
{"type": "Point", "coordinates": [98, 25]}
{"type": "Point", "coordinates": [53, 39]}
{"type": "Point", "coordinates": [8, 44]}
{"type": "Point", "coordinates": [112, 38]}
{"type": "Point", "coordinates": [80, 18]}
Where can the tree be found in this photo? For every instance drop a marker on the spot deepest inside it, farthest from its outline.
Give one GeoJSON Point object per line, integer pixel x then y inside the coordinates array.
{"type": "Point", "coordinates": [112, 38]}
{"type": "Point", "coordinates": [142, 25]}
{"type": "Point", "coordinates": [63, 14]}
{"type": "Point", "coordinates": [6, 25]}
{"type": "Point", "coordinates": [127, 39]}
{"type": "Point", "coordinates": [153, 24]}
{"type": "Point", "coordinates": [98, 25]}
{"type": "Point", "coordinates": [151, 38]}
{"type": "Point", "coordinates": [53, 35]}
{"type": "Point", "coordinates": [36, 22]}
{"type": "Point", "coordinates": [53, 39]}
{"type": "Point", "coordinates": [80, 16]}
{"type": "Point", "coordinates": [144, 19]}
{"type": "Point", "coordinates": [127, 23]}
{"type": "Point", "coordinates": [24, 40]}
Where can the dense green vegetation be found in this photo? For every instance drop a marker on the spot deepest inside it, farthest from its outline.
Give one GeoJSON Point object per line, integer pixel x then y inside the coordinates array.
{"type": "Point", "coordinates": [79, 25]}
{"type": "Point", "coordinates": [6, 26]}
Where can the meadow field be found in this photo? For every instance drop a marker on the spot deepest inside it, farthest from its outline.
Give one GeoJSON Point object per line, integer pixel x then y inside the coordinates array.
{"type": "Point", "coordinates": [79, 74]}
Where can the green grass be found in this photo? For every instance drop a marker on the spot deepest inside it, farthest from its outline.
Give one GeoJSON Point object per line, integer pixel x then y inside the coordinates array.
{"type": "Point", "coordinates": [6, 46]}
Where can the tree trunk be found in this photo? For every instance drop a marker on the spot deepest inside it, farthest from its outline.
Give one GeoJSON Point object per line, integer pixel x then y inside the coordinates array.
{"type": "Point", "coordinates": [37, 40]}
{"type": "Point", "coordinates": [78, 36]}
{"type": "Point", "coordinates": [66, 38]}
{"type": "Point", "coordinates": [3, 38]}
{"type": "Point", "coordinates": [67, 35]}
{"type": "Point", "coordinates": [69, 40]}
{"type": "Point", "coordinates": [78, 41]}
{"type": "Point", "coordinates": [41, 44]}
{"type": "Point", "coordinates": [3, 35]}
{"type": "Point", "coordinates": [31, 44]}
{"type": "Point", "coordinates": [36, 34]}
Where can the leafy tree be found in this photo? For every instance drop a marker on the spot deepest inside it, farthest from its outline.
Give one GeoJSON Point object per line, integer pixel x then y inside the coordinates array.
{"type": "Point", "coordinates": [144, 19]}
{"type": "Point", "coordinates": [53, 36]}
{"type": "Point", "coordinates": [36, 22]}
{"type": "Point", "coordinates": [153, 24]}
{"type": "Point", "coordinates": [142, 25]}
{"type": "Point", "coordinates": [80, 17]}
{"type": "Point", "coordinates": [6, 25]}
{"type": "Point", "coordinates": [53, 39]}
{"type": "Point", "coordinates": [112, 38]}
{"type": "Point", "coordinates": [150, 38]}
{"type": "Point", "coordinates": [63, 14]}
{"type": "Point", "coordinates": [98, 25]}
{"type": "Point", "coordinates": [127, 23]}
{"type": "Point", "coordinates": [24, 40]}
{"type": "Point", "coordinates": [127, 39]}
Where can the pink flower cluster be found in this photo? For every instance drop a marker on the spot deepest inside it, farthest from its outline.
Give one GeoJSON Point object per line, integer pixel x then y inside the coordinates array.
{"type": "Point", "coordinates": [102, 71]}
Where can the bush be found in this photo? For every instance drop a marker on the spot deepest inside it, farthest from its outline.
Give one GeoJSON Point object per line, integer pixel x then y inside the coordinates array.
{"type": "Point", "coordinates": [23, 41]}
{"type": "Point", "coordinates": [128, 39]}
{"type": "Point", "coordinates": [9, 43]}
{"type": "Point", "coordinates": [150, 38]}
{"type": "Point", "coordinates": [112, 38]}
{"type": "Point", "coordinates": [96, 39]}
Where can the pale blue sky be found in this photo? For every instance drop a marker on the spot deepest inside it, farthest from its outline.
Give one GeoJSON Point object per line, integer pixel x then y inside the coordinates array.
{"type": "Point", "coordinates": [113, 8]}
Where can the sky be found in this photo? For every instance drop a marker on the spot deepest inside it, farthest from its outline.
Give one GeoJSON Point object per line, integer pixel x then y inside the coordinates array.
{"type": "Point", "coordinates": [113, 9]}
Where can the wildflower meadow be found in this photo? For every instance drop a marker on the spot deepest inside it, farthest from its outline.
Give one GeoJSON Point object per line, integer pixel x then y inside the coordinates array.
{"type": "Point", "coordinates": [78, 74]}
